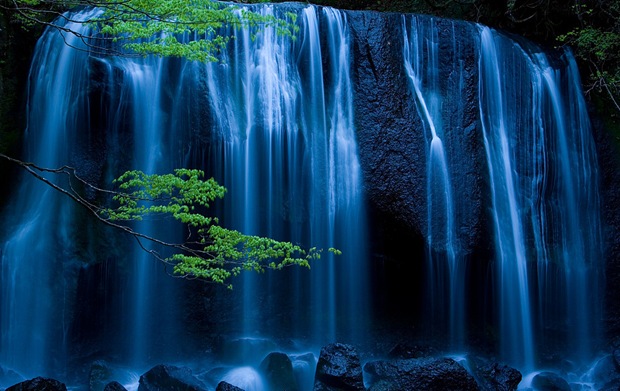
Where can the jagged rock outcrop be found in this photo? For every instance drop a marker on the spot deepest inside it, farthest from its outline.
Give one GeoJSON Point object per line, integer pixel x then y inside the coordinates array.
{"type": "Point", "coordinates": [493, 375]}
{"type": "Point", "coordinates": [224, 386]}
{"type": "Point", "coordinates": [433, 374]}
{"type": "Point", "coordinates": [114, 386]}
{"type": "Point", "coordinates": [170, 378]}
{"type": "Point", "coordinates": [39, 384]}
{"type": "Point", "coordinates": [338, 368]}
{"type": "Point", "coordinates": [392, 134]}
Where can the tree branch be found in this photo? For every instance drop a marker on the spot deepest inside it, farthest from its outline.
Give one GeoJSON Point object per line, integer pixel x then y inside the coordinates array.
{"type": "Point", "coordinates": [216, 255]}
{"type": "Point", "coordinates": [95, 210]}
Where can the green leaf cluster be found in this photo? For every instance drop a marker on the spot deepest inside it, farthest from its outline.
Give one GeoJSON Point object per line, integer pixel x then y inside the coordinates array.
{"type": "Point", "coordinates": [180, 28]}
{"type": "Point", "coordinates": [190, 29]}
{"type": "Point", "coordinates": [211, 252]}
{"type": "Point", "coordinates": [596, 43]}
{"type": "Point", "coordinates": [176, 194]}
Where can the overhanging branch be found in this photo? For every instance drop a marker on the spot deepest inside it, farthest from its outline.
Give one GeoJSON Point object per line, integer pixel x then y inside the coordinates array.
{"type": "Point", "coordinates": [95, 211]}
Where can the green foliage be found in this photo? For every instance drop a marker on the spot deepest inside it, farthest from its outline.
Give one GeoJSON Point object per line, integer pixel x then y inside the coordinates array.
{"type": "Point", "coordinates": [596, 43]}
{"type": "Point", "coordinates": [34, 13]}
{"type": "Point", "coordinates": [176, 194]}
{"type": "Point", "coordinates": [211, 252]}
{"type": "Point", "coordinates": [159, 27]}
{"type": "Point", "coordinates": [173, 28]}
{"type": "Point", "coordinates": [191, 29]}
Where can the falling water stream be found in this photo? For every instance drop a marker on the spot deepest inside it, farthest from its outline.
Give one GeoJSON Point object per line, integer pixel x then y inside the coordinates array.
{"type": "Point", "coordinates": [275, 122]}
{"type": "Point", "coordinates": [514, 301]}
{"type": "Point", "coordinates": [288, 149]}
{"type": "Point", "coordinates": [545, 202]}
{"type": "Point", "coordinates": [280, 137]}
{"type": "Point", "coordinates": [421, 46]}
{"type": "Point", "coordinates": [36, 254]}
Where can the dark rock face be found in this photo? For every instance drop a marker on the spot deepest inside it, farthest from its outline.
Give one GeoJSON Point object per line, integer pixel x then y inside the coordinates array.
{"type": "Point", "coordinates": [389, 148]}
{"type": "Point", "coordinates": [170, 378]}
{"type": "Point", "coordinates": [223, 386]}
{"type": "Point", "coordinates": [608, 151]}
{"type": "Point", "coordinates": [394, 140]}
{"type": "Point", "coordinates": [277, 369]}
{"type": "Point", "coordinates": [39, 384]}
{"type": "Point", "coordinates": [419, 374]}
{"type": "Point", "coordinates": [98, 376]}
{"type": "Point", "coordinates": [338, 368]}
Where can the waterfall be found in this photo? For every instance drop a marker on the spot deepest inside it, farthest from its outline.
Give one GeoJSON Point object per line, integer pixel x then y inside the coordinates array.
{"type": "Point", "coordinates": [432, 98]}
{"type": "Point", "coordinates": [514, 300]}
{"type": "Point", "coordinates": [544, 197]}
{"type": "Point", "coordinates": [577, 214]}
{"type": "Point", "coordinates": [289, 149]}
{"type": "Point", "coordinates": [142, 92]}
{"type": "Point", "coordinates": [38, 254]}
{"type": "Point", "coordinates": [269, 122]}
{"type": "Point", "coordinates": [505, 201]}
{"type": "Point", "coordinates": [346, 199]}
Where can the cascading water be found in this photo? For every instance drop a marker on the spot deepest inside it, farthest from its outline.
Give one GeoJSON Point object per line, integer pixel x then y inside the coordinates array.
{"type": "Point", "coordinates": [577, 214]}
{"type": "Point", "coordinates": [268, 122]}
{"type": "Point", "coordinates": [544, 197]}
{"type": "Point", "coordinates": [274, 122]}
{"type": "Point", "coordinates": [446, 264]}
{"type": "Point", "coordinates": [37, 256]}
{"type": "Point", "coordinates": [346, 199]}
{"type": "Point", "coordinates": [542, 185]}
{"type": "Point", "coordinates": [142, 93]}
{"type": "Point", "coordinates": [289, 150]}
{"type": "Point", "coordinates": [514, 294]}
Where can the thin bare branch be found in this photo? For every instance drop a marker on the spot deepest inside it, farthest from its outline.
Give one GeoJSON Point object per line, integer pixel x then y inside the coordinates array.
{"type": "Point", "coordinates": [36, 171]}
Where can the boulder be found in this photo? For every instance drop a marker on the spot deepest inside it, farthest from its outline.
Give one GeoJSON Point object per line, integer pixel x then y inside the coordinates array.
{"type": "Point", "coordinates": [338, 368]}
{"type": "Point", "coordinates": [102, 373]}
{"type": "Point", "coordinates": [277, 370]}
{"type": "Point", "coordinates": [114, 386]}
{"type": "Point", "coordinates": [494, 376]}
{"type": "Point", "coordinates": [429, 374]}
{"type": "Point", "coordinates": [549, 381]}
{"type": "Point", "coordinates": [38, 384]}
{"type": "Point", "coordinates": [170, 378]}
{"type": "Point", "coordinates": [223, 386]}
